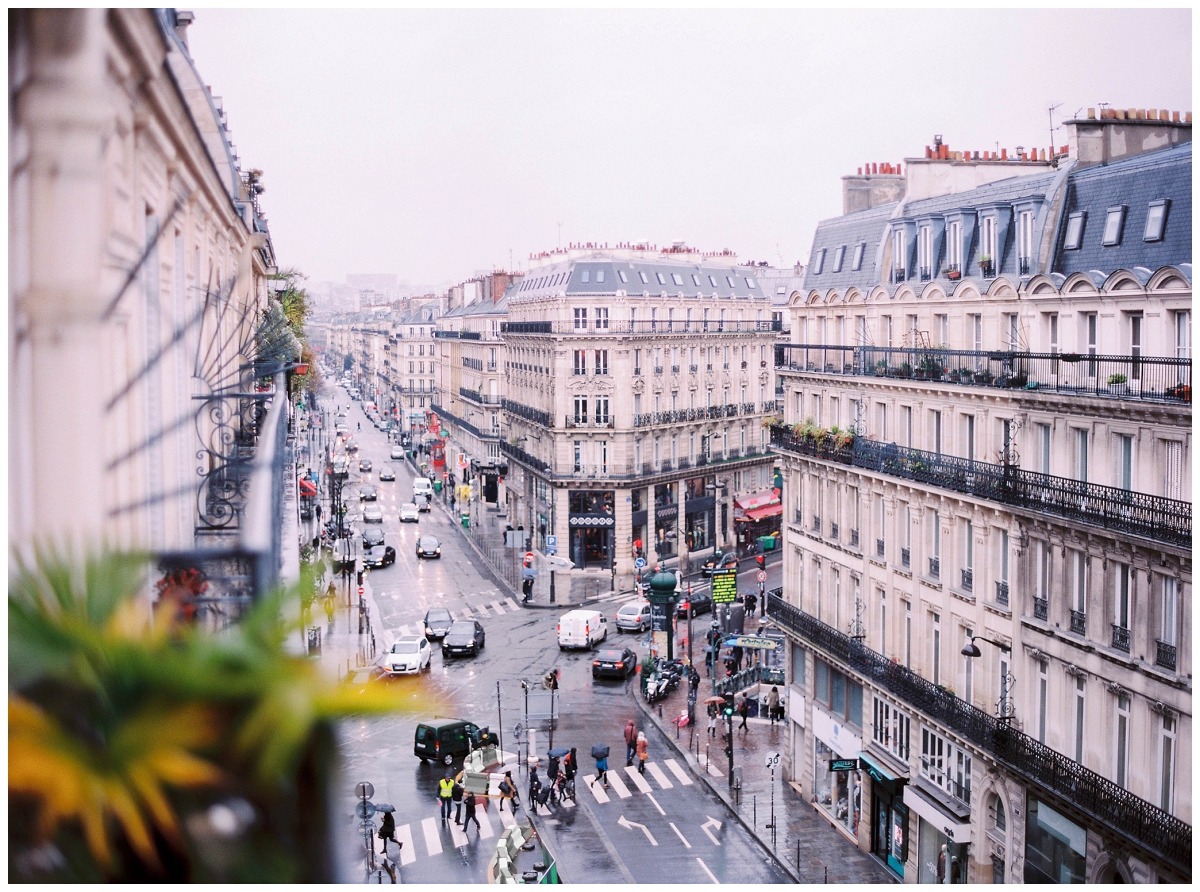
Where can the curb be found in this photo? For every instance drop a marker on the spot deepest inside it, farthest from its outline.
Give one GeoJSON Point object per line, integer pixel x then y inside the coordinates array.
{"type": "Point", "coordinates": [704, 776]}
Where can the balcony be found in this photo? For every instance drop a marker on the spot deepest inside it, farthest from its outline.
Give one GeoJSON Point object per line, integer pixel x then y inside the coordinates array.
{"type": "Point", "coordinates": [799, 518]}
{"type": "Point", "coordinates": [854, 538]}
{"type": "Point", "coordinates": [637, 371]}
{"type": "Point", "coordinates": [1041, 608]}
{"type": "Point", "coordinates": [484, 399]}
{"type": "Point", "coordinates": [1025, 264]}
{"type": "Point", "coordinates": [833, 530]}
{"type": "Point", "coordinates": [968, 580]}
{"type": "Point", "coordinates": [1002, 593]}
{"type": "Point", "coordinates": [1120, 638]}
{"type": "Point", "coordinates": [1079, 622]}
{"type": "Point", "coordinates": [1165, 655]}
{"type": "Point", "coordinates": [1040, 767]}
{"type": "Point", "coordinates": [658, 370]}
{"type": "Point", "coordinates": [1153, 378]}
{"type": "Point", "coordinates": [987, 268]}
{"type": "Point", "coordinates": [1153, 517]}
{"type": "Point", "coordinates": [537, 416]}
{"type": "Point", "coordinates": [879, 548]}
{"type": "Point", "coordinates": [935, 568]}
{"type": "Point", "coordinates": [905, 557]}
{"type": "Point", "coordinates": [598, 422]}
{"type": "Point", "coordinates": [897, 275]}
{"type": "Point", "coordinates": [524, 457]}
{"type": "Point", "coordinates": [926, 274]}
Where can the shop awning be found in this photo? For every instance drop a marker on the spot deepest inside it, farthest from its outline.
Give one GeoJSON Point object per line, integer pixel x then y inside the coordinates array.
{"type": "Point", "coordinates": [307, 487]}
{"type": "Point", "coordinates": [879, 771]}
{"type": "Point", "coordinates": [756, 500]}
{"type": "Point", "coordinates": [765, 511]}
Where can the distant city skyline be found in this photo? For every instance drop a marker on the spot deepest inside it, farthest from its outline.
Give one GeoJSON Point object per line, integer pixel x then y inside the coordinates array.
{"type": "Point", "coordinates": [438, 143]}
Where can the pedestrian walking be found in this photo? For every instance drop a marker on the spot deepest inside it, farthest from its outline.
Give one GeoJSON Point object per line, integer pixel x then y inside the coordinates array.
{"type": "Point", "coordinates": [470, 814]}
{"type": "Point", "coordinates": [535, 787]}
{"type": "Point", "coordinates": [631, 736]}
{"type": "Point", "coordinates": [773, 703]}
{"type": "Point", "coordinates": [751, 603]}
{"type": "Point", "coordinates": [508, 790]}
{"type": "Point", "coordinates": [329, 607]}
{"type": "Point", "coordinates": [445, 794]}
{"type": "Point", "coordinates": [388, 830]}
{"type": "Point", "coordinates": [456, 793]}
{"type": "Point", "coordinates": [712, 720]}
{"type": "Point", "coordinates": [743, 709]}
{"type": "Point", "coordinates": [643, 751]}
{"type": "Point", "coordinates": [602, 770]}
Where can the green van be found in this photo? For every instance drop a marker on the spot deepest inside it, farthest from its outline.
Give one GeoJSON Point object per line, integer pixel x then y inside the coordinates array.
{"type": "Point", "coordinates": [449, 739]}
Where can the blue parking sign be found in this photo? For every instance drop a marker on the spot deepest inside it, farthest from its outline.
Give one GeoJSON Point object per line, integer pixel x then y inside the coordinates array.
{"type": "Point", "coordinates": [552, 545]}
{"type": "Point", "coordinates": [639, 563]}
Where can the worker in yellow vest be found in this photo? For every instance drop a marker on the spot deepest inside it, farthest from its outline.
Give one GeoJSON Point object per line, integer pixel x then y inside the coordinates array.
{"type": "Point", "coordinates": [445, 795]}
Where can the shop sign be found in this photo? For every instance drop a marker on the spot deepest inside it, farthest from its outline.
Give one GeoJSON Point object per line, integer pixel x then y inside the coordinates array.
{"type": "Point", "coordinates": [834, 734]}
{"type": "Point", "coordinates": [843, 764]}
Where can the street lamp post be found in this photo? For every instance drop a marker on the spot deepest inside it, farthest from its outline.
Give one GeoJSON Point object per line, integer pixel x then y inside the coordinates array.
{"type": "Point", "coordinates": [1004, 707]}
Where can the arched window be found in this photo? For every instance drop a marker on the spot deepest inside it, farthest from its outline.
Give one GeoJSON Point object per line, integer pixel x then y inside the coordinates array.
{"type": "Point", "coordinates": [997, 821]}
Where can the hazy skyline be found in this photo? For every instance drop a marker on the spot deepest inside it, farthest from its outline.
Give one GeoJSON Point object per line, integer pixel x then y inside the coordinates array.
{"type": "Point", "coordinates": [432, 143]}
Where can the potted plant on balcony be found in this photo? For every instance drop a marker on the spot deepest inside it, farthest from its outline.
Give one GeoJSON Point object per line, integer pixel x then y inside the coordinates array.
{"type": "Point", "coordinates": [932, 368]}
{"type": "Point", "coordinates": [842, 438]}
{"type": "Point", "coordinates": [881, 368]}
{"type": "Point", "coordinates": [985, 264]}
{"type": "Point", "coordinates": [1180, 392]}
{"type": "Point", "coordinates": [905, 370]}
{"type": "Point", "coordinates": [953, 273]}
{"type": "Point", "coordinates": [983, 376]}
{"type": "Point", "coordinates": [1117, 384]}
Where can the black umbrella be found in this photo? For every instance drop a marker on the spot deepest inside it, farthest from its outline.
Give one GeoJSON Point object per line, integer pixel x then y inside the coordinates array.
{"type": "Point", "coordinates": [558, 752]}
{"type": "Point", "coordinates": [383, 806]}
{"type": "Point", "coordinates": [600, 751]}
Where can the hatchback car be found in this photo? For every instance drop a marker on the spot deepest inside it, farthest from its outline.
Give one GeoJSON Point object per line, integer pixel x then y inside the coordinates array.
{"type": "Point", "coordinates": [464, 638]}
{"type": "Point", "coordinates": [367, 493]}
{"type": "Point", "coordinates": [408, 655]}
{"type": "Point", "coordinates": [614, 663]}
{"type": "Point", "coordinates": [386, 474]}
{"type": "Point", "coordinates": [379, 556]}
{"type": "Point", "coordinates": [719, 561]}
{"type": "Point", "coordinates": [634, 617]}
{"type": "Point", "coordinates": [372, 536]}
{"type": "Point", "coordinates": [397, 452]}
{"type": "Point", "coordinates": [364, 464]}
{"type": "Point", "coordinates": [701, 602]}
{"type": "Point", "coordinates": [437, 622]}
{"type": "Point", "coordinates": [409, 513]}
{"type": "Point", "coordinates": [422, 502]}
{"type": "Point", "coordinates": [372, 514]}
{"type": "Point", "coordinates": [429, 546]}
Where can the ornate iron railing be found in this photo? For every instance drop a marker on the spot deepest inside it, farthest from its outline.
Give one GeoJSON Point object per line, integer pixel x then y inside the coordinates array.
{"type": "Point", "coordinates": [1118, 809]}
{"type": "Point", "coordinates": [442, 412]}
{"type": "Point", "coordinates": [1041, 608]}
{"type": "Point", "coordinates": [597, 421]}
{"type": "Point", "coordinates": [1122, 510]}
{"type": "Point", "coordinates": [1120, 638]}
{"type": "Point", "coordinates": [1001, 592]}
{"type": "Point", "coordinates": [1157, 378]}
{"type": "Point", "coordinates": [484, 399]}
{"type": "Point", "coordinates": [529, 414]}
{"type": "Point", "coordinates": [1078, 622]}
{"type": "Point", "coordinates": [1165, 655]}
{"type": "Point", "coordinates": [643, 327]}
{"type": "Point", "coordinates": [524, 457]}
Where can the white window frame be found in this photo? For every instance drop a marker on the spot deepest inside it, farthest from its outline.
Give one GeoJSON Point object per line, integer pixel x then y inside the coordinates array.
{"type": "Point", "coordinates": [891, 728]}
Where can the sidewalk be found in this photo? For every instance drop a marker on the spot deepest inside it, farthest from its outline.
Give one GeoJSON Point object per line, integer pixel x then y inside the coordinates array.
{"type": "Point", "coordinates": [807, 845]}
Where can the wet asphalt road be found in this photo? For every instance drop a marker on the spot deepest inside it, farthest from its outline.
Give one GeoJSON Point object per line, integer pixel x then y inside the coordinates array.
{"type": "Point", "coordinates": [688, 834]}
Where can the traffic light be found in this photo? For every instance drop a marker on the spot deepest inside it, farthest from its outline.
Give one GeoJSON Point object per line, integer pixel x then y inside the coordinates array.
{"type": "Point", "coordinates": [727, 705]}
{"type": "Point", "coordinates": [360, 577]}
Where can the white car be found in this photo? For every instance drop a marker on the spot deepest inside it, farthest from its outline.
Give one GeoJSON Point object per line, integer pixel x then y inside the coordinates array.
{"type": "Point", "coordinates": [634, 617]}
{"type": "Point", "coordinates": [410, 654]}
{"type": "Point", "coordinates": [409, 513]}
{"type": "Point", "coordinates": [397, 452]}
{"type": "Point", "coordinates": [372, 514]}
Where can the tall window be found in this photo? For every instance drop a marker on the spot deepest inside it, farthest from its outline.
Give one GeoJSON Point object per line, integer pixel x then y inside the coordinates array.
{"type": "Point", "coordinates": [1079, 595]}
{"type": "Point", "coordinates": [580, 318]}
{"type": "Point", "coordinates": [581, 409]}
{"type": "Point", "coordinates": [1043, 570]}
{"type": "Point", "coordinates": [968, 554]}
{"type": "Point", "coordinates": [1121, 741]}
{"type": "Point", "coordinates": [1124, 469]}
{"type": "Point", "coordinates": [1183, 334]}
{"type": "Point", "coordinates": [925, 248]}
{"type": "Point", "coordinates": [898, 253]}
{"type": "Point", "coordinates": [578, 455]}
{"type": "Point", "coordinates": [1052, 331]}
{"type": "Point", "coordinates": [580, 362]}
{"type": "Point", "coordinates": [602, 410]}
{"type": "Point", "coordinates": [935, 641]}
{"type": "Point", "coordinates": [954, 246]}
{"type": "Point", "coordinates": [908, 634]}
{"type": "Point", "coordinates": [1080, 731]}
{"type": "Point", "coordinates": [988, 241]}
{"type": "Point", "coordinates": [1121, 607]}
{"type": "Point", "coordinates": [1043, 436]}
{"type": "Point", "coordinates": [1166, 799]}
{"type": "Point", "coordinates": [975, 323]}
{"type": "Point", "coordinates": [1025, 240]}
{"type": "Point", "coordinates": [601, 362]}
{"type": "Point", "coordinates": [937, 431]}
{"type": "Point", "coordinates": [891, 729]}
{"type": "Point", "coordinates": [601, 315]}
{"type": "Point", "coordinates": [1090, 324]}
{"type": "Point", "coordinates": [968, 671]}
{"type": "Point", "coordinates": [1043, 698]}
{"type": "Point", "coordinates": [1172, 469]}
{"type": "Point", "coordinates": [1170, 610]}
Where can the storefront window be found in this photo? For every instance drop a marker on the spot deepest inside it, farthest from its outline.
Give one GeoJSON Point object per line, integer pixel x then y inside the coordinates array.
{"type": "Point", "coordinates": [637, 499]}
{"type": "Point", "coordinates": [939, 859]}
{"type": "Point", "coordinates": [664, 495]}
{"type": "Point", "coordinates": [838, 792]}
{"type": "Point", "coordinates": [696, 487]}
{"type": "Point", "coordinates": [665, 536]}
{"type": "Point", "coordinates": [698, 532]}
{"type": "Point", "coordinates": [1055, 847]}
{"type": "Point", "coordinates": [891, 829]}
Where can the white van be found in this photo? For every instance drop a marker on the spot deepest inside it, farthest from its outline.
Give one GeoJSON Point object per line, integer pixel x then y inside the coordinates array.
{"type": "Point", "coordinates": [582, 628]}
{"type": "Point", "coordinates": [422, 487]}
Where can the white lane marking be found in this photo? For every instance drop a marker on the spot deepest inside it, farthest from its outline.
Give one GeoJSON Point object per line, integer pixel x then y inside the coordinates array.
{"type": "Point", "coordinates": [711, 822]}
{"type": "Point", "coordinates": [596, 788]}
{"type": "Point", "coordinates": [638, 780]}
{"type": "Point", "coordinates": [481, 610]}
{"type": "Point", "coordinates": [433, 842]}
{"type": "Point", "coordinates": [680, 835]}
{"type": "Point", "coordinates": [485, 825]}
{"type": "Point", "coordinates": [650, 796]}
{"type": "Point", "coordinates": [507, 818]}
{"type": "Point", "coordinates": [679, 772]}
{"type": "Point", "coordinates": [619, 785]}
{"type": "Point", "coordinates": [453, 618]}
{"type": "Point", "coordinates": [629, 825]}
{"type": "Point", "coordinates": [709, 872]}
{"type": "Point", "coordinates": [404, 836]}
{"type": "Point", "coordinates": [496, 606]}
{"type": "Point", "coordinates": [511, 603]}
{"type": "Point", "coordinates": [466, 612]}
{"type": "Point", "coordinates": [566, 803]}
{"type": "Point", "coordinates": [456, 834]}
{"type": "Point", "coordinates": [653, 768]}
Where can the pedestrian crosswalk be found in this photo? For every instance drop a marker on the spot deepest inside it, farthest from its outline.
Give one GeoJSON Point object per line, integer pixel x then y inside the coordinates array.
{"type": "Point", "coordinates": [654, 771]}
{"type": "Point", "coordinates": [432, 838]}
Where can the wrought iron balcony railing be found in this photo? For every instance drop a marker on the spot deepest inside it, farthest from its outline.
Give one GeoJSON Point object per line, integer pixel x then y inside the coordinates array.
{"type": "Point", "coordinates": [1165, 656]}
{"type": "Point", "coordinates": [905, 557]}
{"type": "Point", "coordinates": [1156, 378]}
{"type": "Point", "coordinates": [1041, 608]}
{"type": "Point", "coordinates": [968, 580]}
{"type": "Point", "coordinates": [879, 548]}
{"type": "Point", "coordinates": [1078, 622]}
{"type": "Point", "coordinates": [537, 416]}
{"type": "Point", "coordinates": [1001, 592]}
{"type": "Point", "coordinates": [833, 530]}
{"type": "Point", "coordinates": [601, 422]}
{"type": "Point", "coordinates": [935, 568]}
{"type": "Point", "coordinates": [1153, 517]}
{"type": "Point", "coordinates": [799, 518]}
{"type": "Point", "coordinates": [642, 327]}
{"type": "Point", "coordinates": [484, 399]}
{"type": "Point", "coordinates": [1044, 769]}
{"type": "Point", "coordinates": [1120, 638]}
{"type": "Point", "coordinates": [524, 457]}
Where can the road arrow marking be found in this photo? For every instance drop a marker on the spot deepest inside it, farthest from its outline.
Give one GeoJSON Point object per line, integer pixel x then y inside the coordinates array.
{"type": "Point", "coordinates": [709, 872]}
{"type": "Point", "coordinates": [630, 824]}
{"type": "Point", "coordinates": [680, 835]}
{"type": "Point", "coordinates": [711, 822]}
{"type": "Point", "coordinates": [650, 796]}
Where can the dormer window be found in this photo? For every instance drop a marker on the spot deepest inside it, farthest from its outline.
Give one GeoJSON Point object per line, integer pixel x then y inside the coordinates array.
{"type": "Point", "coordinates": [695, 280]}
{"type": "Point", "coordinates": [838, 256]}
{"type": "Point", "coordinates": [676, 278]}
{"type": "Point", "coordinates": [925, 252]}
{"type": "Point", "coordinates": [585, 276]}
{"type": "Point", "coordinates": [1114, 222]}
{"type": "Point", "coordinates": [987, 240]}
{"type": "Point", "coordinates": [858, 256]}
{"type": "Point", "coordinates": [1074, 237]}
{"type": "Point", "coordinates": [642, 276]}
{"type": "Point", "coordinates": [661, 279]}
{"type": "Point", "coordinates": [712, 280]}
{"type": "Point", "coordinates": [1156, 220]}
{"type": "Point", "coordinates": [621, 275]}
{"type": "Point", "coordinates": [1025, 241]}
{"type": "Point", "coordinates": [819, 262]}
{"type": "Point", "coordinates": [599, 276]}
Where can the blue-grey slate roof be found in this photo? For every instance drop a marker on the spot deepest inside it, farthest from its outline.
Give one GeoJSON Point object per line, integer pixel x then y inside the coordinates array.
{"type": "Point", "coordinates": [604, 277]}
{"type": "Point", "coordinates": [1134, 183]}
{"type": "Point", "coordinates": [850, 230]}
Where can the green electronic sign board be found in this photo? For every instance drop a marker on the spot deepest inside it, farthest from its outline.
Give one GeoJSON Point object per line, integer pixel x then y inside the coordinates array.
{"type": "Point", "coordinates": [724, 586]}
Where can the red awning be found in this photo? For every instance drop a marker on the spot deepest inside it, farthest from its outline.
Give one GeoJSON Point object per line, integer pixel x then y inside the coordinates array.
{"type": "Point", "coordinates": [756, 500]}
{"type": "Point", "coordinates": [307, 487]}
{"type": "Point", "coordinates": [765, 511]}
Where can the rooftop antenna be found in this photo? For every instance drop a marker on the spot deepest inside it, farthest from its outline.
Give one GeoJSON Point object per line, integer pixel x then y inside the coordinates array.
{"type": "Point", "coordinates": [1052, 127]}
{"type": "Point", "coordinates": [560, 233]}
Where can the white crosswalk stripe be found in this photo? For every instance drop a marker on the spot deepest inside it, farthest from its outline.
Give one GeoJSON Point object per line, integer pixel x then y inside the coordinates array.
{"type": "Point", "coordinates": [485, 825]}
{"type": "Point", "coordinates": [679, 773]}
{"type": "Point", "coordinates": [710, 767]}
{"type": "Point", "coordinates": [597, 789]}
{"type": "Point", "coordinates": [456, 834]}
{"type": "Point", "coordinates": [453, 618]}
{"type": "Point", "coordinates": [404, 632]}
{"type": "Point", "coordinates": [511, 604]}
{"type": "Point", "coordinates": [466, 612]}
{"type": "Point", "coordinates": [433, 841]}
{"type": "Point", "coordinates": [507, 818]}
{"type": "Point", "coordinates": [658, 775]}
{"type": "Point", "coordinates": [407, 853]}
{"type": "Point", "coordinates": [496, 606]}
{"type": "Point", "coordinates": [619, 785]}
{"type": "Point", "coordinates": [481, 610]}
{"type": "Point", "coordinates": [638, 780]}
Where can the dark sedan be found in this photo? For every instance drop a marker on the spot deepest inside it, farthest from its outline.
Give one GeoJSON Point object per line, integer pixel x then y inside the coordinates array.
{"type": "Point", "coordinates": [379, 556]}
{"type": "Point", "coordinates": [719, 561]}
{"type": "Point", "coordinates": [429, 546]}
{"type": "Point", "coordinates": [701, 602]}
{"type": "Point", "coordinates": [364, 464]}
{"type": "Point", "coordinates": [614, 663]}
{"type": "Point", "coordinates": [464, 638]}
{"type": "Point", "coordinates": [437, 622]}
{"type": "Point", "coordinates": [367, 493]}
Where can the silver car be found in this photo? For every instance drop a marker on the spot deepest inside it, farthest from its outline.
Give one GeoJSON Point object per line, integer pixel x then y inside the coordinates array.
{"type": "Point", "coordinates": [372, 514]}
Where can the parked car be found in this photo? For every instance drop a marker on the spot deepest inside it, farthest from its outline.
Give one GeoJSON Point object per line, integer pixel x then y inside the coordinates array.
{"type": "Point", "coordinates": [582, 628]}
{"type": "Point", "coordinates": [437, 622]}
{"type": "Point", "coordinates": [701, 603]}
{"type": "Point", "coordinates": [379, 556]}
{"type": "Point", "coordinates": [445, 740]}
{"type": "Point", "coordinates": [429, 546]}
{"type": "Point", "coordinates": [719, 560]}
{"type": "Point", "coordinates": [423, 502]}
{"type": "Point", "coordinates": [409, 513]}
{"type": "Point", "coordinates": [367, 493]}
{"type": "Point", "coordinates": [397, 452]}
{"type": "Point", "coordinates": [372, 536]}
{"type": "Point", "coordinates": [465, 637]}
{"type": "Point", "coordinates": [408, 655]}
{"type": "Point", "coordinates": [372, 514]}
{"type": "Point", "coordinates": [386, 474]}
{"type": "Point", "coordinates": [634, 617]}
{"type": "Point", "coordinates": [614, 663]}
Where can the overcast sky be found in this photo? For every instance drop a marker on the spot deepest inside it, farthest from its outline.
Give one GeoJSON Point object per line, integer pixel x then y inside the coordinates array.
{"type": "Point", "coordinates": [433, 144]}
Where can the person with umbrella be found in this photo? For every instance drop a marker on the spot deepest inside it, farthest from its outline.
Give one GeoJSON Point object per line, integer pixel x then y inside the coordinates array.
{"type": "Point", "coordinates": [570, 767]}
{"type": "Point", "coordinates": [388, 829]}
{"type": "Point", "coordinates": [553, 774]}
{"type": "Point", "coordinates": [600, 754]}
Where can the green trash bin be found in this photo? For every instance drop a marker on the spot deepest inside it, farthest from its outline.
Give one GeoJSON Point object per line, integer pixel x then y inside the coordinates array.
{"type": "Point", "coordinates": [766, 543]}
{"type": "Point", "coordinates": [466, 521]}
{"type": "Point", "coordinates": [437, 486]}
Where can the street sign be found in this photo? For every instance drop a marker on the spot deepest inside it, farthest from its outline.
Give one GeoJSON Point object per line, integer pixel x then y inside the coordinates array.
{"type": "Point", "coordinates": [843, 764]}
{"type": "Point", "coordinates": [364, 790]}
{"type": "Point", "coordinates": [640, 563]}
{"type": "Point", "coordinates": [364, 809]}
{"type": "Point", "coordinates": [755, 643]}
{"type": "Point", "coordinates": [724, 586]}
{"type": "Point", "coordinates": [552, 545]}
{"type": "Point", "coordinates": [762, 575]}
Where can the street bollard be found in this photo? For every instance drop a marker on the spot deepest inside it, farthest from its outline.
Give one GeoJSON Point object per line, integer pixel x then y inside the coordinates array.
{"type": "Point", "coordinates": [754, 811]}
